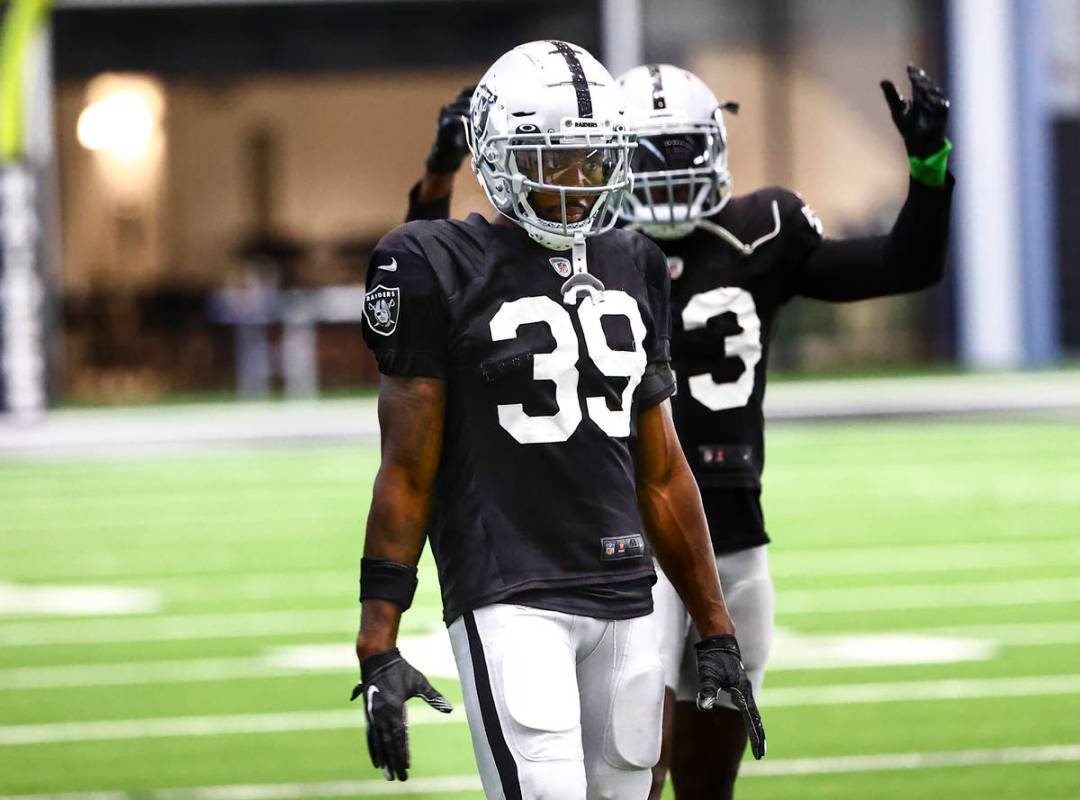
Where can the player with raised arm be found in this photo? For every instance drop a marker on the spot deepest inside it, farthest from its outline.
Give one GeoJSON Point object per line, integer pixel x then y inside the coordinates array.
{"type": "Point", "coordinates": [526, 434]}
{"type": "Point", "coordinates": [735, 262]}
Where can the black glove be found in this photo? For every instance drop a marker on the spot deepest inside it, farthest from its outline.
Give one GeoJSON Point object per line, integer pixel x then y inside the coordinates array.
{"type": "Point", "coordinates": [386, 682]}
{"type": "Point", "coordinates": [450, 146]}
{"type": "Point", "coordinates": [720, 669]}
{"type": "Point", "coordinates": [920, 120]}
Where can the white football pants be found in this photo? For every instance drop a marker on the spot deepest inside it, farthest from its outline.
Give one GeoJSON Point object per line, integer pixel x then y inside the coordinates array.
{"type": "Point", "coordinates": [748, 592]}
{"type": "Point", "coordinates": [560, 706]}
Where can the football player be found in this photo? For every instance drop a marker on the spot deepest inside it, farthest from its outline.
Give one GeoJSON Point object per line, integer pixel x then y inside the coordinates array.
{"type": "Point", "coordinates": [734, 263]}
{"type": "Point", "coordinates": [527, 434]}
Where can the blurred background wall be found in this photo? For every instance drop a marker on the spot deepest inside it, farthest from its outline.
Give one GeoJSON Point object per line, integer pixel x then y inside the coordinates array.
{"type": "Point", "coordinates": [281, 139]}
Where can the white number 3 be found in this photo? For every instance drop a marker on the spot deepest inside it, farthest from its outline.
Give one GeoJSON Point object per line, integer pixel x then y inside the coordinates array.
{"type": "Point", "coordinates": [560, 365]}
{"type": "Point", "coordinates": [745, 345]}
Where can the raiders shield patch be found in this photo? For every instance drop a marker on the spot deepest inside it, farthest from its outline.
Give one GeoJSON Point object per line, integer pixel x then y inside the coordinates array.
{"type": "Point", "coordinates": [561, 266]}
{"type": "Point", "coordinates": [382, 305]}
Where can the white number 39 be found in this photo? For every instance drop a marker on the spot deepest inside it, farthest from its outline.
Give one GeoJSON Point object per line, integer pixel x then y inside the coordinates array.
{"type": "Point", "coordinates": [560, 365]}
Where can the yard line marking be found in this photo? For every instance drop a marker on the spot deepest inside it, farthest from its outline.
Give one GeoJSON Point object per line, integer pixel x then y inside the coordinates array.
{"type": "Point", "coordinates": [903, 691]}
{"type": "Point", "coordinates": [825, 562]}
{"type": "Point", "coordinates": [957, 643]}
{"type": "Point", "coordinates": [192, 670]}
{"type": "Point", "coordinates": [1010, 634]}
{"type": "Point", "coordinates": [923, 558]}
{"type": "Point", "coordinates": [145, 564]}
{"type": "Point", "coordinates": [217, 725]}
{"type": "Point", "coordinates": [883, 762]}
{"type": "Point", "coordinates": [790, 602]}
{"type": "Point", "coordinates": [431, 653]}
{"type": "Point", "coordinates": [899, 761]}
{"type": "Point", "coordinates": [954, 595]}
{"type": "Point", "coordinates": [79, 600]}
{"type": "Point", "coordinates": [178, 627]}
{"type": "Point", "coordinates": [279, 722]}
{"type": "Point", "coordinates": [793, 650]}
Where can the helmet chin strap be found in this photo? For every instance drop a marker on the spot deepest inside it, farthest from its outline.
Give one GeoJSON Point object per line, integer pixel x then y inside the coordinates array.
{"type": "Point", "coordinates": [581, 282]}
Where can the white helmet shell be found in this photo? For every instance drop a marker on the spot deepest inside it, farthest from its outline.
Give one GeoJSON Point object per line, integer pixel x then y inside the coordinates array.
{"type": "Point", "coordinates": [665, 105]}
{"type": "Point", "coordinates": [541, 97]}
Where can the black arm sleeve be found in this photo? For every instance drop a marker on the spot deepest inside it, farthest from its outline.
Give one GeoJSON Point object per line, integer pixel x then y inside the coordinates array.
{"type": "Point", "coordinates": [436, 209]}
{"type": "Point", "coordinates": [909, 258]}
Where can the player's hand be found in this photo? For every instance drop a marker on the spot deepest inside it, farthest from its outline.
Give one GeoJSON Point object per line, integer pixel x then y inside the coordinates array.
{"type": "Point", "coordinates": [720, 669]}
{"type": "Point", "coordinates": [450, 146]}
{"type": "Point", "coordinates": [386, 682]}
{"type": "Point", "coordinates": [921, 120]}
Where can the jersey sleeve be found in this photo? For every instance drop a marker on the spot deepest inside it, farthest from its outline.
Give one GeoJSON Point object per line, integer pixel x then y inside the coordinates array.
{"type": "Point", "coordinates": [436, 209]}
{"type": "Point", "coordinates": [911, 257]}
{"type": "Point", "coordinates": [803, 233]}
{"type": "Point", "coordinates": [405, 319]}
{"type": "Point", "coordinates": [658, 383]}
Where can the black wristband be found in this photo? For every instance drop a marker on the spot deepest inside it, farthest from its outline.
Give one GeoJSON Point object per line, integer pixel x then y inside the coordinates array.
{"type": "Point", "coordinates": [371, 665]}
{"type": "Point", "coordinates": [387, 580]}
{"type": "Point", "coordinates": [657, 384]}
{"type": "Point", "coordinates": [725, 642]}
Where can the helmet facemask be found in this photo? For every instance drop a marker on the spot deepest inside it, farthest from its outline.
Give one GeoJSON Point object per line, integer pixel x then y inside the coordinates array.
{"type": "Point", "coordinates": [680, 176]}
{"type": "Point", "coordinates": [585, 164]}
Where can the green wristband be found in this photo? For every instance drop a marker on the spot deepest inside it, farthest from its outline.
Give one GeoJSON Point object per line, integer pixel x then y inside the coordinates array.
{"type": "Point", "coordinates": [930, 171]}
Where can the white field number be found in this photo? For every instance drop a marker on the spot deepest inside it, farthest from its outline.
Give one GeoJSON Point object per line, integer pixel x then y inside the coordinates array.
{"type": "Point", "coordinates": [560, 365]}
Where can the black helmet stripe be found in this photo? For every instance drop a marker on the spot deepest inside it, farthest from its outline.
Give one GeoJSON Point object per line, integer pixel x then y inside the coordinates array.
{"type": "Point", "coordinates": [577, 75]}
{"type": "Point", "coordinates": [659, 102]}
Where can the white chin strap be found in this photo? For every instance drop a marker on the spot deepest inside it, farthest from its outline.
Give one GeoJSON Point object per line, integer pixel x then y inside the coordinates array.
{"type": "Point", "coordinates": [581, 282]}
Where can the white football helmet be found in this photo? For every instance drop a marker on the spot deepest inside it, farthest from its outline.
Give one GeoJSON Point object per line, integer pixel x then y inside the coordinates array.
{"type": "Point", "coordinates": [680, 166]}
{"type": "Point", "coordinates": [549, 141]}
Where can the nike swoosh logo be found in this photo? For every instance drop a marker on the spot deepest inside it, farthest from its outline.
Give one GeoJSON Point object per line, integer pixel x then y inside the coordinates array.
{"type": "Point", "coordinates": [391, 267]}
{"type": "Point", "coordinates": [370, 696]}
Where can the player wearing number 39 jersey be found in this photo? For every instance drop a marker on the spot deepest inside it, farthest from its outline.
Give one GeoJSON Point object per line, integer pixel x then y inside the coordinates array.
{"type": "Point", "coordinates": [734, 263]}
{"type": "Point", "coordinates": [527, 436]}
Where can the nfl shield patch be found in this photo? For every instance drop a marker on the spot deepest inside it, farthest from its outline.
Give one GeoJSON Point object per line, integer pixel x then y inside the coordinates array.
{"type": "Point", "coordinates": [382, 305]}
{"type": "Point", "coordinates": [674, 267]}
{"type": "Point", "coordinates": [561, 266]}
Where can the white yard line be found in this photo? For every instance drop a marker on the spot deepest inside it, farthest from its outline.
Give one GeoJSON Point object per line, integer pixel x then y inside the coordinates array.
{"type": "Point", "coordinates": [1010, 634]}
{"type": "Point", "coordinates": [469, 783]}
{"type": "Point", "coordinates": [179, 627]}
{"type": "Point", "coordinates": [951, 595]}
{"type": "Point", "coordinates": [923, 558]}
{"type": "Point", "coordinates": [904, 691]}
{"type": "Point", "coordinates": [139, 672]}
{"type": "Point", "coordinates": [898, 761]}
{"type": "Point", "coordinates": [787, 656]}
{"type": "Point", "coordinates": [784, 563]}
{"type": "Point", "coordinates": [791, 602]}
{"type": "Point", "coordinates": [145, 562]}
{"type": "Point", "coordinates": [278, 722]}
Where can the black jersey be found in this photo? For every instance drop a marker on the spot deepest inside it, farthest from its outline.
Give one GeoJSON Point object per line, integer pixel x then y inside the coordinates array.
{"type": "Point", "coordinates": [535, 499]}
{"type": "Point", "coordinates": [730, 277]}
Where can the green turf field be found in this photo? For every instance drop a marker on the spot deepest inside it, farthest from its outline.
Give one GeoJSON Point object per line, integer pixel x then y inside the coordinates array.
{"type": "Point", "coordinates": [929, 612]}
